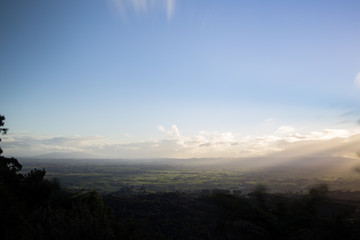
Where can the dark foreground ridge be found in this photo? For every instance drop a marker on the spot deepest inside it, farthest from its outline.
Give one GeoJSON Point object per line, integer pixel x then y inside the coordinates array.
{"type": "Point", "coordinates": [35, 208]}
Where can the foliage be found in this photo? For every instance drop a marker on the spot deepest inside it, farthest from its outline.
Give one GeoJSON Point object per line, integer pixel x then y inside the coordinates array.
{"type": "Point", "coordinates": [2, 130]}
{"type": "Point", "coordinates": [319, 191]}
{"type": "Point", "coordinates": [32, 207]}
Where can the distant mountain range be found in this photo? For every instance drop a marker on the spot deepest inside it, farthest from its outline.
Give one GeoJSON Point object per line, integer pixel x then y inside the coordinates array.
{"type": "Point", "coordinates": [340, 154]}
{"type": "Point", "coordinates": [67, 155]}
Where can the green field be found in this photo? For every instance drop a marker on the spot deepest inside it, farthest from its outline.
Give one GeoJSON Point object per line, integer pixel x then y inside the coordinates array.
{"type": "Point", "coordinates": [113, 176]}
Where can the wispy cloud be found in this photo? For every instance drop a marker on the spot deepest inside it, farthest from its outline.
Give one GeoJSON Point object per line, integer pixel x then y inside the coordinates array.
{"type": "Point", "coordinates": [125, 7]}
{"type": "Point", "coordinates": [170, 8]}
{"type": "Point", "coordinates": [268, 122]}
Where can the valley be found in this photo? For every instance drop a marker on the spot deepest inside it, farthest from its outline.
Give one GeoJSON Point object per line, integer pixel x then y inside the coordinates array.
{"type": "Point", "coordinates": [164, 175]}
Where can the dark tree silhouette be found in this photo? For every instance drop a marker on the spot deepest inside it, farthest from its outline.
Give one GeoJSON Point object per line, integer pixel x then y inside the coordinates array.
{"type": "Point", "coordinates": [9, 167]}
{"type": "Point", "coordinates": [2, 130]}
{"type": "Point", "coordinates": [33, 207]}
{"type": "Point", "coordinates": [13, 165]}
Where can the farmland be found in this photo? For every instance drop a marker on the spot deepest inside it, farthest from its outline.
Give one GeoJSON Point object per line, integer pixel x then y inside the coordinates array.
{"type": "Point", "coordinates": [135, 176]}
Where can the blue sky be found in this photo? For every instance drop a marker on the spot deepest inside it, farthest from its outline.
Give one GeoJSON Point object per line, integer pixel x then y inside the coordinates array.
{"type": "Point", "coordinates": [166, 78]}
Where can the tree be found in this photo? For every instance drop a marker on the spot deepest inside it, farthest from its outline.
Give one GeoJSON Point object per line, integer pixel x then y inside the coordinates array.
{"type": "Point", "coordinates": [9, 167]}
{"type": "Point", "coordinates": [2, 130]}
{"type": "Point", "coordinates": [319, 192]}
{"type": "Point", "coordinates": [32, 207]}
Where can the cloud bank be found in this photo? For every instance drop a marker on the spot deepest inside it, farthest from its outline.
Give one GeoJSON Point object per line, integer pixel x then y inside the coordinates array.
{"type": "Point", "coordinates": [285, 141]}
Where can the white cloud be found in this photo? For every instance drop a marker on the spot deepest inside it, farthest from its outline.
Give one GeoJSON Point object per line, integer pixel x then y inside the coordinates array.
{"type": "Point", "coordinates": [325, 134]}
{"type": "Point", "coordinates": [285, 129]}
{"type": "Point", "coordinates": [175, 144]}
{"type": "Point", "coordinates": [173, 132]}
{"type": "Point", "coordinates": [357, 80]}
{"type": "Point", "coordinates": [124, 7]}
{"type": "Point", "coordinates": [202, 143]}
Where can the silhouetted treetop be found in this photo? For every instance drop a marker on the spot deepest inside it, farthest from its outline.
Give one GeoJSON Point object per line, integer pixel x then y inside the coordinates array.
{"type": "Point", "coordinates": [2, 119]}
{"type": "Point", "coordinates": [2, 130]}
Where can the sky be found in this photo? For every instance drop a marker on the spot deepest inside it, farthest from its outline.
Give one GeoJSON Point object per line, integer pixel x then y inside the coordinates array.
{"type": "Point", "coordinates": [177, 78]}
